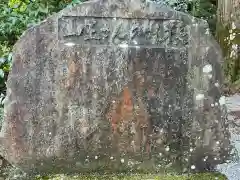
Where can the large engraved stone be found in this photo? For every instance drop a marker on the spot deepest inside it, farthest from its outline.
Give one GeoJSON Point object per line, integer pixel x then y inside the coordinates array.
{"type": "Point", "coordinates": [116, 84]}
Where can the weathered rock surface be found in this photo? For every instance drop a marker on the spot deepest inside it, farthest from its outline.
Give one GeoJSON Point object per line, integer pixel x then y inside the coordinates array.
{"type": "Point", "coordinates": [112, 83]}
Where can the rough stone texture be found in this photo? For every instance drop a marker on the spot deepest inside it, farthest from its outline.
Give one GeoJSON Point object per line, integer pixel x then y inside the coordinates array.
{"type": "Point", "coordinates": [116, 84]}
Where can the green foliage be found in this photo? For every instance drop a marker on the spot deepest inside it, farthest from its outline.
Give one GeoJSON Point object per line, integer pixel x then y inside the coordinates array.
{"type": "Point", "coordinates": [15, 18]}
{"type": "Point", "coordinates": [205, 9]}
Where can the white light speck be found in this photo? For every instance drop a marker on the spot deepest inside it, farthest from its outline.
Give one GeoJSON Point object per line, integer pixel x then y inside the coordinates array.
{"type": "Point", "coordinates": [123, 45]}
{"type": "Point", "coordinates": [96, 157]}
{"type": "Point", "coordinates": [191, 149]}
{"type": "Point", "coordinates": [216, 84]}
{"type": "Point", "coordinates": [212, 105]}
{"type": "Point", "coordinates": [122, 160]}
{"type": "Point", "coordinates": [207, 31]}
{"type": "Point", "coordinates": [222, 100]}
{"type": "Point", "coordinates": [135, 42]}
{"type": "Point", "coordinates": [232, 37]}
{"type": "Point", "coordinates": [216, 104]}
{"type": "Point", "coordinates": [210, 76]}
{"type": "Point", "coordinates": [111, 158]}
{"type": "Point", "coordinates": [233, 25]}
{"type": "Point", "coordinates": [217, 142]}
{"type": "Point", "coordinates": [207, 68]}
{"type": "Point", "coordinates": [199, 97]}
{"type": "Point", "coordinates": [69, 44]}
{"type": "Point", "coordinates": [193, 167]}
{"type": "Point", "coordinates": [167, 148]}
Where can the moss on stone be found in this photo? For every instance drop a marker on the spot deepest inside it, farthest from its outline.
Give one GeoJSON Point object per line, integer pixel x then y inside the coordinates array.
{"type": "Point", "coordinates": [201, 176]}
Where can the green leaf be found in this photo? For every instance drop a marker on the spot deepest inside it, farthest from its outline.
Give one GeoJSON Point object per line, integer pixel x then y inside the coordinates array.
{"type": "Point", "coordinates": [23, 7]}
{"type": "Point", "coordinates": [2, 60]}
{"type": "Point", "coordinates": [10, 57]}
{"type": "Point", "coordinates": [2, 100]}
{"type": "Point", "coordinates": [43, 9]}
{"type": "Point", "coordinates": [1, 73]}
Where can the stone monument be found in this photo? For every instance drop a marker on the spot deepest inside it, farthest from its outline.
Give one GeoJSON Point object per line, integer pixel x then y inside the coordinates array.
{"type": "Point", "coordinates": [115, 85]}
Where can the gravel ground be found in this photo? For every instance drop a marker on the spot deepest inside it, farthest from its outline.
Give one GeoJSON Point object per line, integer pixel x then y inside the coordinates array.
{"type": "Point", "coordinates": [232, 169]}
